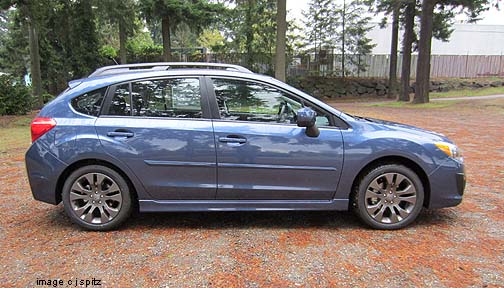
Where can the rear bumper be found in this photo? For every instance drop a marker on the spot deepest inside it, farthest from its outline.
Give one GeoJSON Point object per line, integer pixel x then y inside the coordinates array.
{"type": "Point", "coordinates": [43, 169]}
{"type": "Point", "coordinates": [447, 183]}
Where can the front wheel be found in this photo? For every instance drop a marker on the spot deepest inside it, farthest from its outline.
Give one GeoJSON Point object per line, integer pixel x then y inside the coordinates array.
{"type": "Point", "coordinates": [389, 197]}
{"type": "Point", "coordinates": [97, 198]}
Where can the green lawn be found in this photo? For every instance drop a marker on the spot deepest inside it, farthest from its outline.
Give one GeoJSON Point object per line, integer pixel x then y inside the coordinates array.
{"type": "Point", "coordinates": [394, 104]}
{"type": "Point", "coordinates": [468, 92]}
{"type": "Point", "coordinates": [14, 132]}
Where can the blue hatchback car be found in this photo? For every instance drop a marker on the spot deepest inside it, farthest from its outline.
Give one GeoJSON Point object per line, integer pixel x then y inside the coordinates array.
{"type": "Point", "coordinates": [164, 137]}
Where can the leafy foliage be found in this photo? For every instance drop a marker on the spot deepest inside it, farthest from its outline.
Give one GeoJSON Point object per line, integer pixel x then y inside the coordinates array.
{"type": "Point", "coordinates": [15, 98]}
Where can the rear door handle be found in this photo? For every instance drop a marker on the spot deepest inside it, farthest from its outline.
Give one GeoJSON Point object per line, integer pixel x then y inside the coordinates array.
{"type": "Point", "coordinates": [120, 134]}
{"type": "Point", "coordinates": [232, 139]}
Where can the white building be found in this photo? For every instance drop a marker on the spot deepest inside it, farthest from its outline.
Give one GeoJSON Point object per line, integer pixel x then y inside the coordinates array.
{"type": "Point", "coordinates": [466, 39]}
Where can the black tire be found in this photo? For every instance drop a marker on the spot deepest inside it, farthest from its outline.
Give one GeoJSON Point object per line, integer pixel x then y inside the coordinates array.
{"type": "Point", "coordinates": [123, 207]}
{"type": "Point", "coordinates": [394, 197]}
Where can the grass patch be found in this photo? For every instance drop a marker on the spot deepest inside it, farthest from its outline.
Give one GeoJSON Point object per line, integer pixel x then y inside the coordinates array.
{"type": "Point", "coordinates": [430, 105]}
{"type": "Point", "coordinates": [14, 133]}
{"type": "Point", "coordinates": [468, 92]}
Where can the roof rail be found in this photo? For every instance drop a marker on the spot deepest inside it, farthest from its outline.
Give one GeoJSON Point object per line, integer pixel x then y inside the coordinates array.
{"type": "Point", "coordinates": [159, 66]}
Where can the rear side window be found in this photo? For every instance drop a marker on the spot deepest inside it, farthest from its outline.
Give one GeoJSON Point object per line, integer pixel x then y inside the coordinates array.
{"type": "Point", "coordinates": [90, 102]}
{"type": "Point", "coordinates": [178, 98]}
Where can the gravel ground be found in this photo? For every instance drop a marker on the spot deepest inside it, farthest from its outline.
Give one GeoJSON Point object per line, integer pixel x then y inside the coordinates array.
{"type": "Point", "coordinates": [455, 247]}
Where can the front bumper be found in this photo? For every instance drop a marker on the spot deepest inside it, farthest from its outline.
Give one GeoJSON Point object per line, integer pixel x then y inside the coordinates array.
{"type": "Point", "coordinates": [447, 185]}
{"type": "Point", "coordinates": [43, 169]}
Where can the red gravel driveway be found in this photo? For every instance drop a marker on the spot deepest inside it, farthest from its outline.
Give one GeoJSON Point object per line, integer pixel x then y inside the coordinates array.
{"type": "Point", "coordinates": [454, 247]}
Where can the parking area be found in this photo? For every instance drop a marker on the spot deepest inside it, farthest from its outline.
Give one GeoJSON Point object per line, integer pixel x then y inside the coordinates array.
{"type": "Point", "coordinates": [454, 247]}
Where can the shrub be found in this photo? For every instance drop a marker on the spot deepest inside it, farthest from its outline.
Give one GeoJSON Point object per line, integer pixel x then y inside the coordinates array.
{"type": "Point", "coordinates": [15, 97]}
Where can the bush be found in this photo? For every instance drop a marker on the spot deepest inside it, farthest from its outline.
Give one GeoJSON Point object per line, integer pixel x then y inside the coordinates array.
{"type": "Point", "coordinates": [15, 98]}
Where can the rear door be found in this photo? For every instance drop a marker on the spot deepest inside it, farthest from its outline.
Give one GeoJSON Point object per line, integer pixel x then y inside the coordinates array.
{"type": "Point", "coordinates": [261, 152]}
{"type": "Point", "coordinates": [161, 129]}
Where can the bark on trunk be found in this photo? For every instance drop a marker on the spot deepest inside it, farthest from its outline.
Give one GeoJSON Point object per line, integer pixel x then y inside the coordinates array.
{"type": "Point", "coordinates": [36, 77]}
{"type": "Point", "coordinates": [409, 19]}
{"type": "Point", "coordinates": [392, 92]}
{"type": "Point", "coordinates": [280, 41]}
{"type": "Point", "coordinates": [165, 27]}
{"type": "Point", "coordinates": [122, 42]}
{"type": "Point", "coordinates": [343, 40]}
{"type": "Point", "coordinates": [424, 53]}
{"type": "Point", "coordinates": [249, 34]}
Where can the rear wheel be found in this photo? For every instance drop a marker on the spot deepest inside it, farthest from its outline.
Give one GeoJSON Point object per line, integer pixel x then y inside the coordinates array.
{"type": "Point", "coordinates": [97, 198]}
{"type": "Point", "coordinates": [389, 197]}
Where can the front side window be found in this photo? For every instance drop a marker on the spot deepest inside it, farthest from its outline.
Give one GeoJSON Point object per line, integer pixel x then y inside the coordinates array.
{"type": "Point", "coordinates": [178, 98]}
{"type": "Point", "coordinates": [90, 102]}
{"type": "Point", "coordinates": [250, 101]}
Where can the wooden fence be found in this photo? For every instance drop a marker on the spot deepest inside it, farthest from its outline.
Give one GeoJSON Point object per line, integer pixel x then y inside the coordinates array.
{"type": "Point", "coordinates": [442, 66]}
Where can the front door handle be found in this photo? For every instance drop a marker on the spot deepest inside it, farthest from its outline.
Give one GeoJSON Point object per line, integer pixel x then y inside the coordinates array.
{"type": "Point", "coordinates": [232, 139]}
{"type": "Point", "coordinates": [126, 134]}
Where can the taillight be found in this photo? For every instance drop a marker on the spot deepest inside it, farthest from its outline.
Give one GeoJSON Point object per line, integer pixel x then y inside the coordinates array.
{"type": "Point", "coordinates": [40, 126]}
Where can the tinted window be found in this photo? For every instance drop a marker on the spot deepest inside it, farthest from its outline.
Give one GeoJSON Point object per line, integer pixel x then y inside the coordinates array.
{"type": "Point", "coordinates": [89, 103]}
{"type": "Point", "coordinates": [178, 98]}
{"type": "Point", "coordinates": [121, 101]}
{"type": "Point", "coordinates": [251, 101]}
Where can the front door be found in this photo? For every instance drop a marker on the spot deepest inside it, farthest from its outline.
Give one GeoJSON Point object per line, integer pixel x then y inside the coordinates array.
{"type": "Point", "coordinates": [160, 129]}
{"type": "Point", "coordinates": [263, 155]}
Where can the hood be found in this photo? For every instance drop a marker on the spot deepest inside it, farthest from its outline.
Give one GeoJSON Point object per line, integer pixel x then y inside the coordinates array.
{"type": "Point", "coordinates": [399, 127]}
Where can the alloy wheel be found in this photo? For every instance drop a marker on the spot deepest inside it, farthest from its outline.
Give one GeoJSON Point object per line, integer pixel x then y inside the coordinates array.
{"type": "Point", "coordinates": [390, 198]}
{"type": "Point", "coordinates": [95, 198]}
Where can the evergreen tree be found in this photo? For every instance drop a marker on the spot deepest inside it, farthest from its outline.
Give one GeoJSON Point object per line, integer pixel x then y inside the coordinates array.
{"type": "Point", "coordinates": [121, 14]}
{"type": "Point", "coordinates": [197, 14]}
{"type": "Point", "coordinates": [351, 35]}
{"type": "Point", "coordinates": [472, 8]}
{"type": "Point", "coordinates": [320, 22]}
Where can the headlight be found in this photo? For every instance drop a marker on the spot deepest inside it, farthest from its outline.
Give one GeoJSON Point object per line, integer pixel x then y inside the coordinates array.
{"type": "Point", "coordinates": [451, 150]}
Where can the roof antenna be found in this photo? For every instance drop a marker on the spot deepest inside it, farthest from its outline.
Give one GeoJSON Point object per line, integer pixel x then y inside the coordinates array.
{"type": "Point", "coordinates": [114, 60]}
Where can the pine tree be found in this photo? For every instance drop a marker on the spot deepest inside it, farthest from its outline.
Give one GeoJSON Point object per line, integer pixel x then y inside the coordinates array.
{"type": "Point", "coordinates": [320, 22]}
{"type": "Point", "coordinates": [351, 35]}
{"type": "Point", "coordinates": [429, 20]}
{"type": "Point", "coordinates": [197, 14]}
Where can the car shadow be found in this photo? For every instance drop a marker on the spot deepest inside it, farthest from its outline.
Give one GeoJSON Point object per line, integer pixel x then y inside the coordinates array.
{"type": "Point", "coordinates": [247, 220]}
{"type": "Point", "coordinates": [255, 219]}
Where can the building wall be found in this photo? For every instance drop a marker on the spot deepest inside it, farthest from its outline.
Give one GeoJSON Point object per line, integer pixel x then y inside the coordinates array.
{"type": "Point", "coordinates": [466, 39]}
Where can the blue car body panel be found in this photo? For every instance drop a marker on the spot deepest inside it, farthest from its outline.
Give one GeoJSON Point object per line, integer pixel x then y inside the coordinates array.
{"type": "Point", "coordinates": [277, 162]}
{"type": "Point", "coordinates": [182, 164]}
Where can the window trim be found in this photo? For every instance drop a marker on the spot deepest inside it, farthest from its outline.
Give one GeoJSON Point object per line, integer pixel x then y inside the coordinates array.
{"type": "Point", "coordinates": [205, 106]}
{"type": "Point", "coordinates": [333, 119]}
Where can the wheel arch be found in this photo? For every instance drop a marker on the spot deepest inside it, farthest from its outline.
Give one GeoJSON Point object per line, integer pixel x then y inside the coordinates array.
{"type": "Point", "coordinates": [394, 160]}
{"type": "Point", "coordinates": [86, 162]}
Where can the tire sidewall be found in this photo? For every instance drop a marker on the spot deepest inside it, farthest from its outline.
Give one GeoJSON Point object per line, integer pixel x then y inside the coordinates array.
{"type": "Point", "coordinates": [126, 205]}
{"type": "Point", "coordinates": [370, 176]}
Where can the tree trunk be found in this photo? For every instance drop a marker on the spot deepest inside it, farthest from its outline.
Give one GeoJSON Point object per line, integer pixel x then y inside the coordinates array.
{"type": "Point", "coordinates": [280, 40]}
{"type": "Point", "coordinates": [409, 19]}
{"type": "Point", "coordinates": [249, 34]}
{"type": "Point", "coordinates": [36, 77]}
{"type": "Point", "coordinates": [165, 27]}
{"type": "Point", "coordinates": [122, 42]}
{"type": "Point", "coordinates": [424, 52]}
{"type": "Point", "coordinates": [392, 92]}
{"type": "Point", "coordinates": [343, 16]}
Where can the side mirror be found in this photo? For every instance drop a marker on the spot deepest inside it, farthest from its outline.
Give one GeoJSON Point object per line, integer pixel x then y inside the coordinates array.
{"type": "Point", "coordinates": [306, 117]}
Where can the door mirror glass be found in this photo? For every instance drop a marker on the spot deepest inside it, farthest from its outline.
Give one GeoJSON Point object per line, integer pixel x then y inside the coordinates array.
{"type": "Point", "coordinates": [306, 117]}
